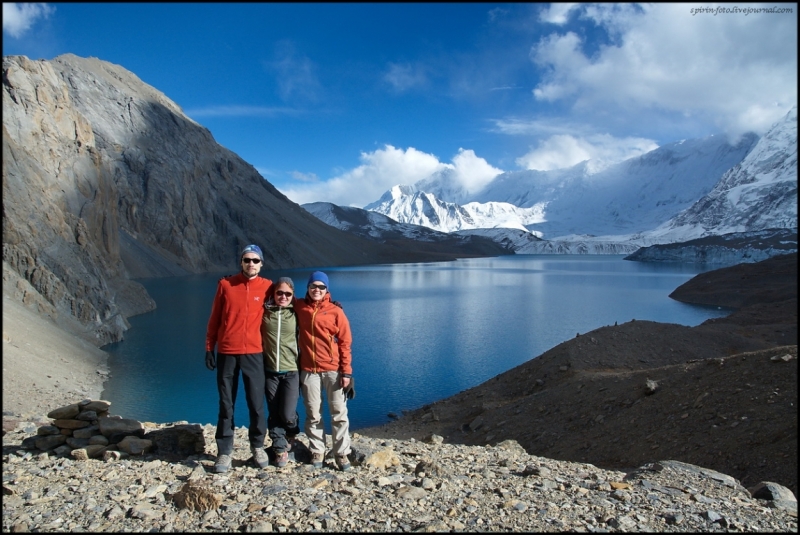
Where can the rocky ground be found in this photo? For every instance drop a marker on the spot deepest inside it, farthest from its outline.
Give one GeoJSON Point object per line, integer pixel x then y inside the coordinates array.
{"type": "Point", "coordinates": [394, 485]}
{"type": "Point", "coordinates": [593, 435]}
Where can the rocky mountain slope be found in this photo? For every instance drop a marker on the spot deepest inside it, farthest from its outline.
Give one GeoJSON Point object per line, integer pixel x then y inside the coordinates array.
{"type": "Point", "coordinates": [722, 395]}
{"type": "Point", "coordinates": [726, 249]}
{"type": "Point", "coordinates": [105, 180]}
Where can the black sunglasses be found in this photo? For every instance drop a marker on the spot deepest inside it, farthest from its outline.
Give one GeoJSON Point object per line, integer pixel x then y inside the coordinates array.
{"type": "Point", "coordinates": [321, 287]}
{"type": "Point", "coordinates": [283, 294]}
{"type": "Point", "coordinates": [253, 260]}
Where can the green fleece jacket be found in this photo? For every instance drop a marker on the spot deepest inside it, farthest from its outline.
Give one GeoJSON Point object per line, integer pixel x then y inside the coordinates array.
{"type": "Point", "coordinates": [279, 338]}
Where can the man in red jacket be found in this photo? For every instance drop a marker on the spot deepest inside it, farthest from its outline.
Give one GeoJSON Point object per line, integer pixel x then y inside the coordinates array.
{"type": "Point", "coordinates": [235, 329]}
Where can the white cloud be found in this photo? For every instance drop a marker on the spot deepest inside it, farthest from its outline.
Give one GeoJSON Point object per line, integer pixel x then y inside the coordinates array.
{"type": "Point", "coordinates": [515, 126]}
{"type": "Point", "coordinates": [379, 171]}
{"type": "Point", "coordinates": [240, 111]}
{"type": "Point", "coordinates": [18, 17]}
{"type": "Point", "coordinates": [296, 73]}
{"type": "Point", "coordinates": [472, 171]}
{"type": "Point", "coordinates": [404, 77]}
{"type": "Point", "coordinates": [384, 168]}
{"type": "Point", "coordinates": [564, 150]}
{"type": "Point", "coordinates": [736, 71]}
{"type": "Point", "coordinates": [304, 177]}
{"type": "Point", "coordinates": [557, 13]}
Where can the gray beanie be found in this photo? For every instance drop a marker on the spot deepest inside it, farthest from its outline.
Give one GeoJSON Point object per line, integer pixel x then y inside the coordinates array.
{"type": "Point", "coordinates": [252, 249]}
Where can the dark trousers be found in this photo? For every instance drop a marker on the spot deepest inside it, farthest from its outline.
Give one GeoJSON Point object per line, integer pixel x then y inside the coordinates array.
{"type": "Point", "coordinates": [283, 391]}
{"type": "Point", "coordinates": [251, 367]}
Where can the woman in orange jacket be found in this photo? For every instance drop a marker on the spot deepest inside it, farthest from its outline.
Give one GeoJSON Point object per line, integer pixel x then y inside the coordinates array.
{"type": "Point", "coordinates": [325, 365]}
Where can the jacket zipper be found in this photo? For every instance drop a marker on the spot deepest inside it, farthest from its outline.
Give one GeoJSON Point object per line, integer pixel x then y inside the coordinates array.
{"type": "Point", "coordinates": [314, 339]}
{"type": "Point", "coordinates": [246, 314]}
{"type": "Point", "coordinates": [278, 344]}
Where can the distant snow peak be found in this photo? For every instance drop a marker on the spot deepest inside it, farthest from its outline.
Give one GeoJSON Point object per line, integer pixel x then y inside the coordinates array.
{"type": "Point", "coordinates": [413, 206]}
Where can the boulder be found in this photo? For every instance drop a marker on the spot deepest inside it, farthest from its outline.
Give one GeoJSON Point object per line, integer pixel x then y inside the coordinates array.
{"type": "Point", "coordinates": [135, 446]}
{"type": "Point", "coordinates": [116, 428]}
{"type": "Point", "coordinates": [180, 440]}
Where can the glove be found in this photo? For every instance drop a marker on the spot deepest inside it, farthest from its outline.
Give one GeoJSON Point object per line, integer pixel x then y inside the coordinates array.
{"type": "Point", "coordinates": [338, 304]}
{"type": "Point", "coordinates": [350, 389]}
{"type": "Point", "coordinates": [211, 360]}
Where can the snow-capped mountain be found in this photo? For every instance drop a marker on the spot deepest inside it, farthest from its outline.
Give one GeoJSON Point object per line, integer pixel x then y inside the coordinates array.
{"type": "Point", "coordinates": [632, 196]}
{"type": "Point", "coordinates": [679, 192]}
{"type": "Point", "coordinates": [378, 227]}
{"type": "Point", "coordinates": [758, 193]}
{"type": "Point", "coordinates": [407, 204]}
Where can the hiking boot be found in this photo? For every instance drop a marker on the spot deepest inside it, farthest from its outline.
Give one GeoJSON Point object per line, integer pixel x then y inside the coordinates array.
{"type": "Point", "coordinates": [281, 459]}
{"type": "Point", "coordinates": [260, 457]}
{"type": "Point", "coordinates": [316, 460]}
{"type": "Point", "coordinates": [343, 463]}
{"type": "Point", "coordinates": [223, 464]}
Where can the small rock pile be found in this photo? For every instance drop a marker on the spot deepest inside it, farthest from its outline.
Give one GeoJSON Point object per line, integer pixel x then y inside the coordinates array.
{"type": "Point", "coordinates": [85, 430]}
{"type": "Point", "coordinates": [395, 485]}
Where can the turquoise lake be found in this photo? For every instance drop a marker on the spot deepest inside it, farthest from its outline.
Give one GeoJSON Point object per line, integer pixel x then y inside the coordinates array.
{"type": "Point", "coordinates": [421, 332]}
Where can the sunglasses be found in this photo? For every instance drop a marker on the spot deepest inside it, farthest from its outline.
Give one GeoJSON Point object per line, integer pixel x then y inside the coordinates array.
{"type": "Point", "coordinates": [320, 287]}
{"type": "Point", "coordinates": [283, 294]}
{"type": "Point", "coordinates": [251, 260]}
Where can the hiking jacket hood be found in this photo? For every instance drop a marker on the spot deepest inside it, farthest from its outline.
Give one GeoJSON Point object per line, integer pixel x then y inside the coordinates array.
{"type": "Point", "coordinates": [236, 315]}
{"type": "Point", "coordinates": [279, 338]}
{"type": "Point", "coordinates": [325, 336]}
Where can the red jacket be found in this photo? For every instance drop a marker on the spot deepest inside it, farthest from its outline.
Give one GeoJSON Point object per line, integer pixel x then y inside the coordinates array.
{"type": "Point", "coordinates": [325, 336]}
{"type": "Point", "coordinates": [235, 322]}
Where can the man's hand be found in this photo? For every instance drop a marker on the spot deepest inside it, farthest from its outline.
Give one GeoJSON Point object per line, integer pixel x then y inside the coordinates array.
{"type": "Point", "coordinates": [211, 360]}
{"type": "Point", "coordinates": [338, 304]}
{"type": "Point", "coordinates": [349, 387]}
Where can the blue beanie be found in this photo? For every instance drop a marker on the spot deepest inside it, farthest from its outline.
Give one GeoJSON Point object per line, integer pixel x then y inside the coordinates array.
{"type": "Point", "coordinates": [252, 249]}
{"type": "Point", "coordinates": [318, 276]}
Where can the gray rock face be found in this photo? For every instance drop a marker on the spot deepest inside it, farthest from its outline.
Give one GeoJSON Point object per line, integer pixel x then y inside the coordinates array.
{"type": "Point", "coordinates": [105, 179]}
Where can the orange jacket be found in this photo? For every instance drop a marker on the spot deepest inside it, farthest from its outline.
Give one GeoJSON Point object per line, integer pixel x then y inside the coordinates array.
{"type": "Point", "coordinates": [325, 336]}
{"type": "Point", "coordinates": [235, 322]}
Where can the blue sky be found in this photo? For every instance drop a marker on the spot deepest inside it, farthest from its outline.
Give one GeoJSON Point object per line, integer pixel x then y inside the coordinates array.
{"type": "Point", "coordinates": [339, 102]}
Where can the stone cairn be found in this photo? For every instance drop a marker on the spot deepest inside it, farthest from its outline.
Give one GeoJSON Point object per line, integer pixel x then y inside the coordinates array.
{"type": "Point", "coordinates": [85, 430]}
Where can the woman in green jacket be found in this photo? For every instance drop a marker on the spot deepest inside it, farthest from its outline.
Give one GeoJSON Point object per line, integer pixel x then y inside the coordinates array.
{"type": "Point", "coordinates": [279, 340]}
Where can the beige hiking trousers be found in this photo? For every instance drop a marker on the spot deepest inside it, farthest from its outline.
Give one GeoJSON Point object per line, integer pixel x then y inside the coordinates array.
{"type": "Point", "coordinates": [313, 384]}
